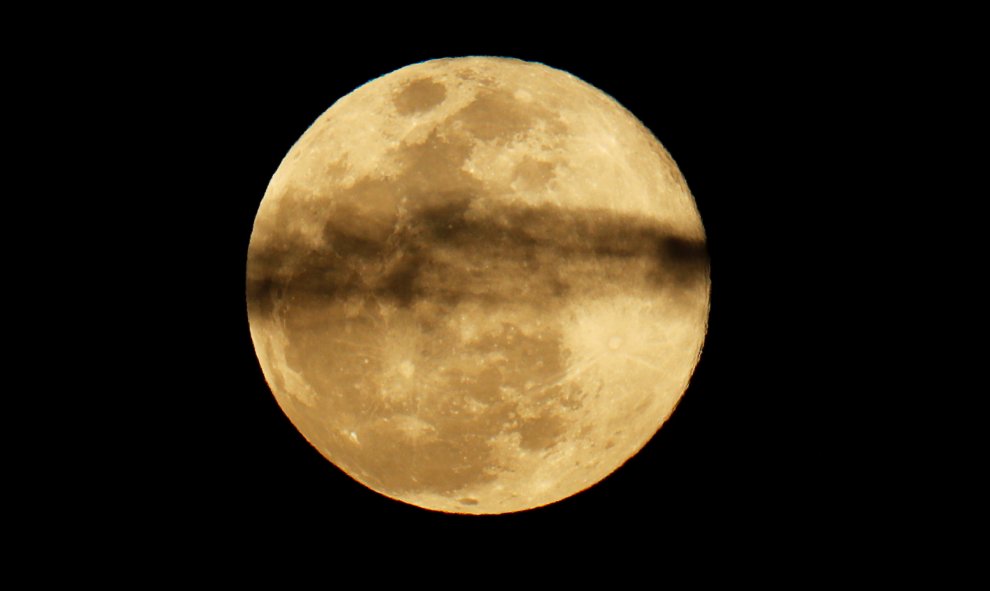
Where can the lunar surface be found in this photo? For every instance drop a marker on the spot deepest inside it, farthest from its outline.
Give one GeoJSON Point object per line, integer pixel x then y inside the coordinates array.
{"type": "Point", "coordinates": [478, 285]}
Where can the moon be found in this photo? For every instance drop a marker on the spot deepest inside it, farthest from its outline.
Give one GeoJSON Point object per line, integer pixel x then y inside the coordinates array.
{"type": "Point", "coordinates": [478, 285]}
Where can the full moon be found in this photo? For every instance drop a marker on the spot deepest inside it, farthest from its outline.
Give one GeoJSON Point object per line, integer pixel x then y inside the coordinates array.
{"type": "Point", "coordinates": [478, 285]}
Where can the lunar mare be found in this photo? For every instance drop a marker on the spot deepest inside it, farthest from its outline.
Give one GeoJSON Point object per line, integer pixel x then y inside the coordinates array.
{"type": "Point", "coordinates": [477, 285]}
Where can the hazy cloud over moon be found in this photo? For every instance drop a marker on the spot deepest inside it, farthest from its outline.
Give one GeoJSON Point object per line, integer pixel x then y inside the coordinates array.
{"type": "Point", "coordinates": [535, 243]}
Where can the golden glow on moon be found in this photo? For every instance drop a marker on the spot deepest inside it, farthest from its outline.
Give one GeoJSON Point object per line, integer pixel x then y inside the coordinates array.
{"type": "Point", "coordinates": [477, 285]}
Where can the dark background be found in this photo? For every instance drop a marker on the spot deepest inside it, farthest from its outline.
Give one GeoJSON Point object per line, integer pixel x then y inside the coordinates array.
{"type": "Point", "coordinates": [749, 456]}
{"type": "Point", "coordinates": [820, 146]}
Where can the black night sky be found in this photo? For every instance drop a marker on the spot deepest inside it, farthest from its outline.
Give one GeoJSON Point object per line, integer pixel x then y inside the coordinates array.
{"type": "Point", "coordinates": [749, 125]}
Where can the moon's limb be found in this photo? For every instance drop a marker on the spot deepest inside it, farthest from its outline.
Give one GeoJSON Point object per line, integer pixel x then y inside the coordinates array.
{"type": "Point", "coordinates": [478, 285]}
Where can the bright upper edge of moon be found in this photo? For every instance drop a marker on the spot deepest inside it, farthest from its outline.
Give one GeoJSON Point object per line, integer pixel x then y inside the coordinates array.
{"type": "Point", "coordinates": [477, 285]}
